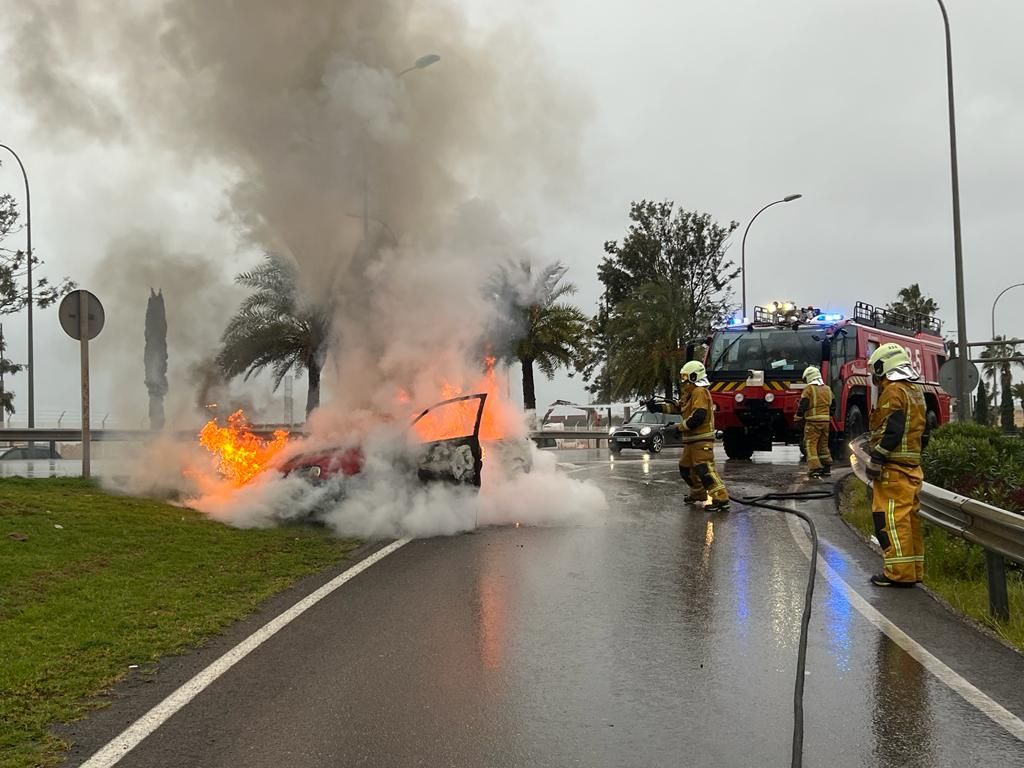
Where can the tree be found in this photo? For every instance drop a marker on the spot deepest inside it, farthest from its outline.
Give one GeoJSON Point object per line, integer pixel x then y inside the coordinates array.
{"type": "Point", "coordinates": [273, 329]}
{"type": "Point", "coordinates": [981, 415]}
{"type": "Point", "coordinates": [155, 357]}
{"type": "Point", "coordinates": [910, 303]}
{"type": "Point", "coordinates": [14, 269]}
{"type": "Point", "coordinates": [540, 329]}
{"type": "Point", "coordinates": [1017, 390]}
{"type": "Point", "coordinates": [1001, 375]}
{"type": "Point", "coordinates": [7, 368]}
{"type": "Point", "coordinates": [666, 285]}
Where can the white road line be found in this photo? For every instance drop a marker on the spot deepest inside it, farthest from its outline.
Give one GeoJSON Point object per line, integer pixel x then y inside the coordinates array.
{"type": "Point", "coordinates": [994, 711]}
{"type": "Point", "coordinates": [130, 738]}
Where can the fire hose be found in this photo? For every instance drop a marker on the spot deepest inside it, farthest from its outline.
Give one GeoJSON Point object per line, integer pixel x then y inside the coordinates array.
{"type": "Point", "coordinates": [763, 502]}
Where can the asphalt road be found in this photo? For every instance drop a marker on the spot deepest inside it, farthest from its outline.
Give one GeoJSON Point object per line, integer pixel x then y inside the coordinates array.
{"type": "Point", "coordinates": [665, 637]}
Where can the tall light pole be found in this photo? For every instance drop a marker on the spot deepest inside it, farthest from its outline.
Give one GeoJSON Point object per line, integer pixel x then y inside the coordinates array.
{"type": "Point", "coordinates": [743, 246]}
{"type": "Point", "coordinates": [1007, 288]}
{"type": "Point", "coordinates": [962, 396]}
{"type": "Point", "coordinates": [28, 233]}
{"type": "Point", "coordinates": [421, 63]}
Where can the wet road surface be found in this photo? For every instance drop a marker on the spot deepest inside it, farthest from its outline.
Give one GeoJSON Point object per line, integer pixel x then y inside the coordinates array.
{"type": "Point", "coordinates": [664, 637]}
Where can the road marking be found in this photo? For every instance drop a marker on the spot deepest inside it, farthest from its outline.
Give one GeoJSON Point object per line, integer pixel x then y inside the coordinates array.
{"type": "Point", "coordinates": [130, 738]}
{"type": "Point", "coordinates": [969, 693]}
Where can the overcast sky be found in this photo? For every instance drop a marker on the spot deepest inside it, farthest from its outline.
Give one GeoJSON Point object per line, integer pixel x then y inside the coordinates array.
{"type": "Point", "coordinates": [721, 106]}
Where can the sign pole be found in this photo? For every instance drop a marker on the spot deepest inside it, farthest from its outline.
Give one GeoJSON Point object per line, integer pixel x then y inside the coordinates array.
{"type": "Point", "coordinates": [83, 326]}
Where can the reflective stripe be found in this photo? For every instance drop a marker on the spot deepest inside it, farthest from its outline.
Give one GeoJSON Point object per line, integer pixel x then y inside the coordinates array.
{"type": "Point", "coordinates": [892, 528]}
{"type": "Point", "coordinates": [907, 559]}
{"type": "Point", "coordinates": [703, 437]}
{"type": "Point", "coordinates": [817, 418]}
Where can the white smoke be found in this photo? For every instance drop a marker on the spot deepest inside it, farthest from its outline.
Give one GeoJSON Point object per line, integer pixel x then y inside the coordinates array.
{"type": "Point", "coordinates": [396, 196]}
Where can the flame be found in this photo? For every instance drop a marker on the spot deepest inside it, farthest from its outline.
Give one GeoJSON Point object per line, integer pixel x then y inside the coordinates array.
{"type": "Point", "coordinates": [241, 455]}
{"type": "Point", "coordinates": [458, 419]}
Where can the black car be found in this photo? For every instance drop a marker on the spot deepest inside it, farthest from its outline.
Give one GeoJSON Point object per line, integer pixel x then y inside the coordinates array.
{"type": "Point", "coordinates": [646, 431]}
{"type": "Point", "coordinates": [28, 453]}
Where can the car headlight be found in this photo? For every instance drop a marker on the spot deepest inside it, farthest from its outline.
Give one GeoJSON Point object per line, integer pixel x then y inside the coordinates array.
{"type": "Point", "coordinates": [769, 398]}
{"type": "Point", "coordinates": [739, 397]}
{"type": "Point", "coordinates": [645, 431]}
{"type": "Point", "coordinates": [611, 430]}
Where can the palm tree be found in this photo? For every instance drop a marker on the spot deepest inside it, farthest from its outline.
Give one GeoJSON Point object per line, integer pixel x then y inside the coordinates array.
{"type": "Point", "coordinates": [541, 330]}
{"type": "Point", "coordinates": [648, 333]}
{"type": "Point", "coordinates": [1017, 390]}
{"type": "Point", "coordinates": [1001, 375]}
{"type": "Point", "coordinates": [910, 303]}
{"type": "Point", "coordinates": [272, 329]}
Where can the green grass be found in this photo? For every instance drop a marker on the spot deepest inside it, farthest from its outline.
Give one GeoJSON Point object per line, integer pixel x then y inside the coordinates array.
{"type": "Point", "coordinates": [123, 581]}
{"type": "Point", "coordinates": [954, 568]}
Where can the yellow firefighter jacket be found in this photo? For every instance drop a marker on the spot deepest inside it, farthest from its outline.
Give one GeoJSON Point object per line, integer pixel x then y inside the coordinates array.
{"type": "Point", "coordinates": [698, 414]}
{"type": "Point", "coordinates": [816, 403]}
{"type": "Point", "coordinates": [899, 425]}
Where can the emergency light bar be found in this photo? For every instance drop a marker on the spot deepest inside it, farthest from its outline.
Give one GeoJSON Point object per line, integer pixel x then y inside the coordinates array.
{"type": "Point", "coordinates": [828, 319]}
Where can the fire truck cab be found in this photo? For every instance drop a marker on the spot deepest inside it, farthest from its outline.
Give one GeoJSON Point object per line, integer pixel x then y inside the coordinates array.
{"type": "Point", "coordinates": [756, 370]}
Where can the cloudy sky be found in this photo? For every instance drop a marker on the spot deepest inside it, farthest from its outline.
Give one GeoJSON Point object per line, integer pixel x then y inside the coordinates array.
{"type": "Point", "coordinates": [720, 106]}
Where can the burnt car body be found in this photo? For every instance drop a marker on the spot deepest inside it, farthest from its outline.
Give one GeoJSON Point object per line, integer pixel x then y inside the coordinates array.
{"type": "Point", "coordinates": [646, 431]}
{"type": "Point", "coordinates": [456, 456]}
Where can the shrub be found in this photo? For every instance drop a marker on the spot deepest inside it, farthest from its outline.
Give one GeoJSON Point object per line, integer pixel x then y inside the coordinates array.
{"type": "Point", "coordinates": [977, 461]}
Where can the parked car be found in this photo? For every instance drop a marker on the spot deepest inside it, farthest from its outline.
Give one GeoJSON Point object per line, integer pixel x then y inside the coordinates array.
{"type": "Point", "coordinates": [646, 432]}
{"type": "Point", "coordinates": [30, 453]}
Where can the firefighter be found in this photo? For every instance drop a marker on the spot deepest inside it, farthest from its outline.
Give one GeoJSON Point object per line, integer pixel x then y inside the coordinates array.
{"type": "Point", "coordinates": [899, 432]}
{"type": "Point", "coordinates": [697, 461]}
{"type": "Point", "coordinates": [815, 411]}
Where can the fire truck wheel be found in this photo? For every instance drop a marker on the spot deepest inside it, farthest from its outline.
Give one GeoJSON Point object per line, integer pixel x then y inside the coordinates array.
{"type": "Point", "coordinates": [932, 419]}
{"type": "Point", "coordinates": [737, 445]}
{"type": "Point", "coordinates": [855, 424]}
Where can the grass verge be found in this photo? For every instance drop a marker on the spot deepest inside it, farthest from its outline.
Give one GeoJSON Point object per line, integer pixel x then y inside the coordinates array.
{"type": "Point", "coordinates": [954, 568]}
{"type": "Point", "coordinates": [92, 583]}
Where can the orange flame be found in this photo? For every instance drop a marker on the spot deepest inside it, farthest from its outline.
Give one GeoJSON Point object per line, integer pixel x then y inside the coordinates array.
{"type": "Point", "coordinates": [457, 419]}
{"type": "Point", "coordinates": [241, 455]}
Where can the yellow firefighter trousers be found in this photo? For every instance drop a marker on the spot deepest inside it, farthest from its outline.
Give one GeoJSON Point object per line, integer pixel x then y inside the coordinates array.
{"type": "Point", "coordinates": [895, 503]}
{"type": "Point", "coordinates": [816, 444]}
{"type": "Point", "coordinates": [697, 467]}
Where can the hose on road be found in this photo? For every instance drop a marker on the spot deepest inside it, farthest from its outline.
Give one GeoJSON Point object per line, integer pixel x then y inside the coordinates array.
{"type": "Point", "coordinates": [764, 502]}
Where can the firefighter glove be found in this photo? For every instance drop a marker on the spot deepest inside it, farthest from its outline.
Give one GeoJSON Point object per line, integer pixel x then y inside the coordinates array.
{"type": "Point", "coordinates": [874, 469]}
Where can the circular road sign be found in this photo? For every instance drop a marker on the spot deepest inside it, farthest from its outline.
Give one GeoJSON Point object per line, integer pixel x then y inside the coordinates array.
{"type": "Point", "coordinates": [68, 314]}
{"type": "Point", "coordinates": [947, 375]}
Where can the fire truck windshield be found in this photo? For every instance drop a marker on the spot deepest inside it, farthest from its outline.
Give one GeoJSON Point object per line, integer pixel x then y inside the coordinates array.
{"type": "Point", "coordinates": [772, 350]}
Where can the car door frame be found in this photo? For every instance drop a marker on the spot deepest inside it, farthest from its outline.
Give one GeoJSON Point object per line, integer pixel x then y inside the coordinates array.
{"type": "Point", "coordinates": [431, 465]}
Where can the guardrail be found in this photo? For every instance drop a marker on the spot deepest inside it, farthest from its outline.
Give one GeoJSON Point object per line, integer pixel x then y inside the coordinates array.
{"type": "Point", "coordinates": [999, 532]}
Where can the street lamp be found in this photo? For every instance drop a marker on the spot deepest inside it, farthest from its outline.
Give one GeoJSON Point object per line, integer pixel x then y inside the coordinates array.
{"type": "Point", "coordinates": [743, 247]}
{"type": "Point", "coordinates": [963, 401]}
{"type": "Point", "coordinates": [421, 63]}
{"type": "Point", "coordinates": [1007, 288]}
{"type": "Point", "coordinates": [995, 388]}
{"type": "Point", "coordinates": [28, 234]}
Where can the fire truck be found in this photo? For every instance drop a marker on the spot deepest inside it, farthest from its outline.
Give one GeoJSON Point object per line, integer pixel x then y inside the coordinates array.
{"type": "Point", "coordinates": [756, 370]}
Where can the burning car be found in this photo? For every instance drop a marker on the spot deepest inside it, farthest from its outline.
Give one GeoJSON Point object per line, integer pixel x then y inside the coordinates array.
{"type": "Point", "coordinates": [448, 447]}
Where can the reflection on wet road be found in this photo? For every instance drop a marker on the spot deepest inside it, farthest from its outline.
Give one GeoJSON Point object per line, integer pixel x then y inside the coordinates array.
{"type": "Point", "coordinates": [664, 637]}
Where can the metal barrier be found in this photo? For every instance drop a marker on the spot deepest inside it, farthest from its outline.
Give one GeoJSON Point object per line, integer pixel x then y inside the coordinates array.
{"type": "Point", "coordinates": [999, 532]}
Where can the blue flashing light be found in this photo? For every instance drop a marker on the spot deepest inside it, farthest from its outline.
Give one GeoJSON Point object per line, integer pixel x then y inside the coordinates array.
{"type": "Point", "coordinates": [828, 318]}
{"type": "Point", "coordinates": [735, 322]}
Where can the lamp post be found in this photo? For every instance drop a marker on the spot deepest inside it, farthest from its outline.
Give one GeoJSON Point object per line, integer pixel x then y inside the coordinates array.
{"type": "Point", "coordinates": [995, 388]}
{"type": "Point", "coordinates": [421, 63]}
{"type": "Point", "coordinates": [963, 400]}
{"type": "Point", "coordinates": [1007, 288]}
{"type": "Point", "coordinates": [28, 234]}
{"type": "Point", "coordinates": [743, 247]}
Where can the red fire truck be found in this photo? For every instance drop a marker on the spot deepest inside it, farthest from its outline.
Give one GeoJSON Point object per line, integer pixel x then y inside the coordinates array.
{"type": "Point", "coordinates": [756, 370]}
